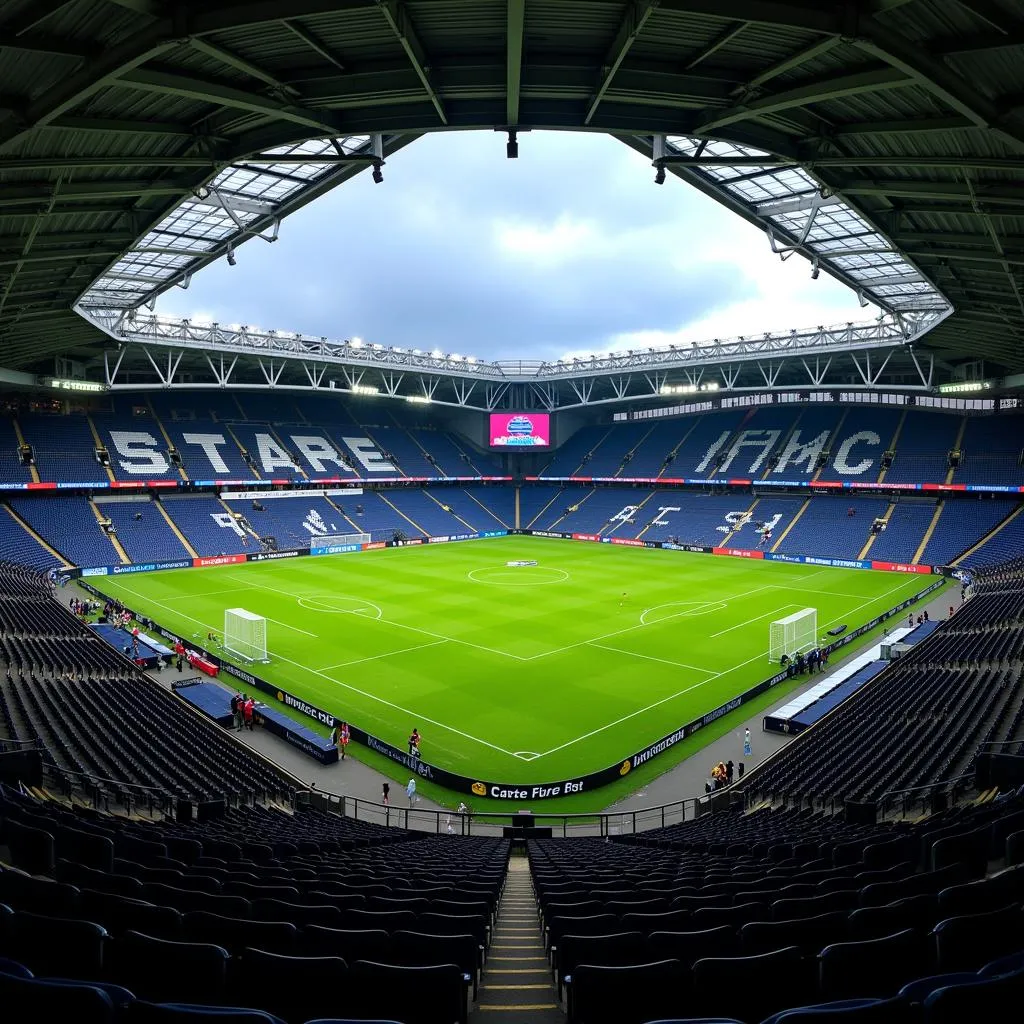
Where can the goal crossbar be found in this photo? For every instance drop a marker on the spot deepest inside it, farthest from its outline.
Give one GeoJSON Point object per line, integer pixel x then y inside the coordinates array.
{"type": "Point", "coordinates": [245, 634]}
{"type": "Point", "coordinates": [793, 634]}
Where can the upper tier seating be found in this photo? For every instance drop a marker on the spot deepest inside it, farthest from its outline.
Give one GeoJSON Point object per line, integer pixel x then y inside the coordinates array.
{"type": "Point", "coordinates": [11, 468]}
{"type": "Point", "coordinates": [94, 713]}
{"type": "Point", "coordinates": [64, 447]}
{"type": "Point", "coordinates": [208, 450]}
{"type": "Point", "coordinates": [136, 446]}
{"type": "Point", "coordinates": [922, 451]}
{"type": "Point", "coordinates": [146, 539]}
{"type": "Point", "coordinates": [69, 525]}
{"type": "Point", "coordinates": [992, 448]}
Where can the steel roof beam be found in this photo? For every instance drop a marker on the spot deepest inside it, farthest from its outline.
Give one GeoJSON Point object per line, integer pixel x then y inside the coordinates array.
{"type": "Point", "coordinates": [314, 44]}
{"type": "Point", "coordinates": [92, 76]}
{"type": "Point", "coordinates": [992, 14]}
{"type": "Point", "coordinates": [816, 91]}
{"type": "Point", "coordinates": [910, 126]}
{"type": "Point", "coordinates": [981, 42]}
{"type": "Point", "coordinates": [233, 60]}
{"type": "Point", "coordinates": [810, 18]}
{"type": "Point", "coordinates": [35, 14]}
{"type": "Point", "coordinates": [70, 238]}
{"type": "Point", "coordinates": [19, 195]}
{"type": "Point", "coordinates": [942, 190]}
{"type": "Point", "coordinates": [40, 42]}
{"type": "Point", "coordinates": [64, 256]}
{"type": "Point", "coordinates": [515, 32]}
{"type": "Point", "coordinates": [791, 62]}
{"type": "Point", "coordinates": [396, 14]}
{"type": "Point", "coordinates": [937, 78]}
{"type": "Point", "coordinates": [163, 81]}
{"type": "Point", "coordinates": [109, 125]}
{"type": "Point", "coordinates": [632, 24]}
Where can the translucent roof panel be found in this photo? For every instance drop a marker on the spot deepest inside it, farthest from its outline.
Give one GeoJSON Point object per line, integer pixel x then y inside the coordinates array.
{"type": "Point", "coordinates": [241, 200]}
{"type": "Point", "coordinates": [787, 198]}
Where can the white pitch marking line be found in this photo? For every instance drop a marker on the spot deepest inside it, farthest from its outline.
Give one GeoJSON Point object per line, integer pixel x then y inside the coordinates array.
{"type": "Point", "coordinates": [703, 682]}
{"type": "Point", "coordinates": [414, 629]}
{"type": "Point", "coordinates": [740, 625]}
{"type": "Point", "coordinates": [690, 609]}
{"type": "Point", "coordinates": [386, 654]}
{"type": "Point", "coordinates": [336, 682]}
{"type": "Point", "coordinates": [651, 657]}
{"type": "Point", "coordinates": [316, 636]}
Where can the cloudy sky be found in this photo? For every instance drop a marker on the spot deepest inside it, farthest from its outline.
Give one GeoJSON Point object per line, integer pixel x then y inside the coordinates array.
{"type": "Point", "coordinates": [570, 249]}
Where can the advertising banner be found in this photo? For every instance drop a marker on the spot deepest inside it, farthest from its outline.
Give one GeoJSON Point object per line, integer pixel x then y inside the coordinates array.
{"type": "Point", "coordinates": [737, 553]}
{"type": "Point", "coordinates": [273, 556]}
{"type": "Point", "coordinates": [200, 563]}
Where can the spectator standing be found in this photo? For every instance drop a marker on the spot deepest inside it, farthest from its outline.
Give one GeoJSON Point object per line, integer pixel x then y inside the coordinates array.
{"type": "Point", "coordinates": [746, 743]}
{"type": "Point", "coordinates": [247, 713]}
{"type": "Point", "coordinates": [410, 790]}
{"type": "Point", "coordinates": [386, 794]}
{"type": "Point", "coordinates": [236, 711]}
{"type": "Point", "coordinates": [414, 743]}
{"type": "Point", "coordinates": [344, 735]}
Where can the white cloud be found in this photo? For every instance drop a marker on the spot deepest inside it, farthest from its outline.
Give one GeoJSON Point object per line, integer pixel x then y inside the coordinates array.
{"type": "Point", "coordinates": [570, 250]}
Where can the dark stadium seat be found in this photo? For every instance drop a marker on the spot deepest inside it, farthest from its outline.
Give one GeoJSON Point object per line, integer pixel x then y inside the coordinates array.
{"type": "Point", "coordinates": [234, 934]}
{"type": "Point", "coordinates": [849, 1011]}
{"type": "Point", "coordinates": [312, 986]}
{"type": "Point", "coordinates": [14, 969]}
{"type": "Point", "coordinates": [982, 1000]}
{"type": "Point", "coordinates": [55, 947]}
{"type": "Point", "coordinates": [810, 934]}
{"type": "Point", "coordinates": [626, 995]}
{"type": "Point", "coordinates": [417, 949]}
{"type": "Point", "coordinates": [184, 1013]}
{"type": "Point", "coordinates": [28, 1001]}
{"type": "Point", "coordinates": [970, 941]}
{"type": "Point", "coordinates": [188, 971]}
{"type": "Point", "coordinates": [619, 950]}
{"type": "Point", "coordinates": [872, 968]}
{"type": "Point", "coordinates": [748, 987]}
{"type": "Point", "coordinates": [349, 944]}
{"type": "Point", "coordinates": [690, 946]}
{"type": "Point", "coordinates": [413, 995]}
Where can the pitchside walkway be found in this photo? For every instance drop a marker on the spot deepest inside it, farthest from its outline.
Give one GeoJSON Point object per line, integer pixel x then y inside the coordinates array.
{"type": "Point", "coordinates": [352, 778]}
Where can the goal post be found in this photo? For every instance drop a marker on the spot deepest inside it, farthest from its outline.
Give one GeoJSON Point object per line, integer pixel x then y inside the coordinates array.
{"type": "Point", "coordinates": [331, 540]}
{"type": "Point", "coordinates": [245, 634]}
{"type": "Point", "coordinates": [795, 634]}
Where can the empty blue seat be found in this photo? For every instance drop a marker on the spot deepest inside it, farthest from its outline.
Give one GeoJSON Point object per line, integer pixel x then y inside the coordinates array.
{"type": "Point", "coordinates": [29, 1000]}
{"type": "Point", "coordinates": [848, 1011]}
{"type": "Point", "coordinates": [187, 1013]}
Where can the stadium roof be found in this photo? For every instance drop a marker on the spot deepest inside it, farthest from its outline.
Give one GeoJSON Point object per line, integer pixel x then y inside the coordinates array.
{"type": "Point", "coordinates": [881, 139]}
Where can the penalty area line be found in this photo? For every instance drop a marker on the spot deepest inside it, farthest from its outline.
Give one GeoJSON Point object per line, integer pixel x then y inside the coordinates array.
{"type": "Point", "coordinates": [651, 657]}
{"type": "Point", "coordinates": [386, 654]}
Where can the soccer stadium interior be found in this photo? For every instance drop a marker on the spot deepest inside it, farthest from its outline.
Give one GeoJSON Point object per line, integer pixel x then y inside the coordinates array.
{"type": "Point", "coordinates": [169, 855]}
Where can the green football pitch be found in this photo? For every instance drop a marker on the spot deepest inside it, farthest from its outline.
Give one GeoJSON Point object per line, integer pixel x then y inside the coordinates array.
{"type": "Point", "coordinates": [515, 674]}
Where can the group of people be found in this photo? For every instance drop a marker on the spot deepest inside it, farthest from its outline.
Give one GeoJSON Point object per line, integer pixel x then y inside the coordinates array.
{"type": "Point", "coordinates": [341, 737]}
{"type": "Point", "coordinates": [83, 608]}
{"type": "Point", "coordinates": [815, 660]}
{"type": "Point", "coordinates": [243, 710]}
{"type": "Point", "coordinates": [922, 618]}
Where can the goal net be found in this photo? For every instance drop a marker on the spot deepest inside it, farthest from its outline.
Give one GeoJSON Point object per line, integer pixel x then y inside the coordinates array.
{"type": "Point", "coordinates": [794, 634]}
{"type": "Point", "coordinates": [245, 634]}
{"type": "Point", "coordinates": [330, 540]}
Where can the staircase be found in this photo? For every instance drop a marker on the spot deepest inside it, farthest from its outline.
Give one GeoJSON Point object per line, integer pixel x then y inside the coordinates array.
{"type": "Point", "coordinates": [516, 986]}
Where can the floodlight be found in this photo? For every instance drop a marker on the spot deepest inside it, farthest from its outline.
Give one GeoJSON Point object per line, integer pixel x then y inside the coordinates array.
{"type": "Point", "coordinates": [378, 174]}
{"type": "Point", "coordinates": [659, 175]}
{"type": "Point", "coordinates": [231, 256]}
{"type": "Point", "coordinates": [815, 269]}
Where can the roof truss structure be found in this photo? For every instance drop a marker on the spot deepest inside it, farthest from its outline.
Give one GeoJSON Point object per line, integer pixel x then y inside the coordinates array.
{"type": "Point", "coordinates": [881, 140]}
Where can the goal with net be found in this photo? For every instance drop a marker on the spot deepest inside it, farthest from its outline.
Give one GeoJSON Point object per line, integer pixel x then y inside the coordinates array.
{"type": "Point", "coordinates": [245, 634]}
{"type": "Point", "coordinates": [793, 635]}
{"type": "Point", "coordinates": [338, 540]}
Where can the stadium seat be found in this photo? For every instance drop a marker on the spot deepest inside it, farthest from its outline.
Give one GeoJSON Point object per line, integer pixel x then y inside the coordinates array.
{"type": "Point", "coordinates": [190, 971]}
{"type": "Point", "coordinates": [185, 1013]}
{"type": "Point", "coordinates": [970, 941]}
{"type": "Point", "coordinates": [747, 987]}
{"type": "Point", "coordinates": [872, 968]}
{"type": "Point", "coordinates": [850, 1011]}
{"type": "Point", "coordinates": [55, 947]}
{"type": "Point", "coordinates": [413, 995]}
{"type": "Point", "coordinates": [628, 995]}
{"type": "Point", "coordinates": [982, 1000]}
{"type": "Point", "coordinates": [28, 1001]}
{"type": "Point", "coordinates": [314, 984]}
